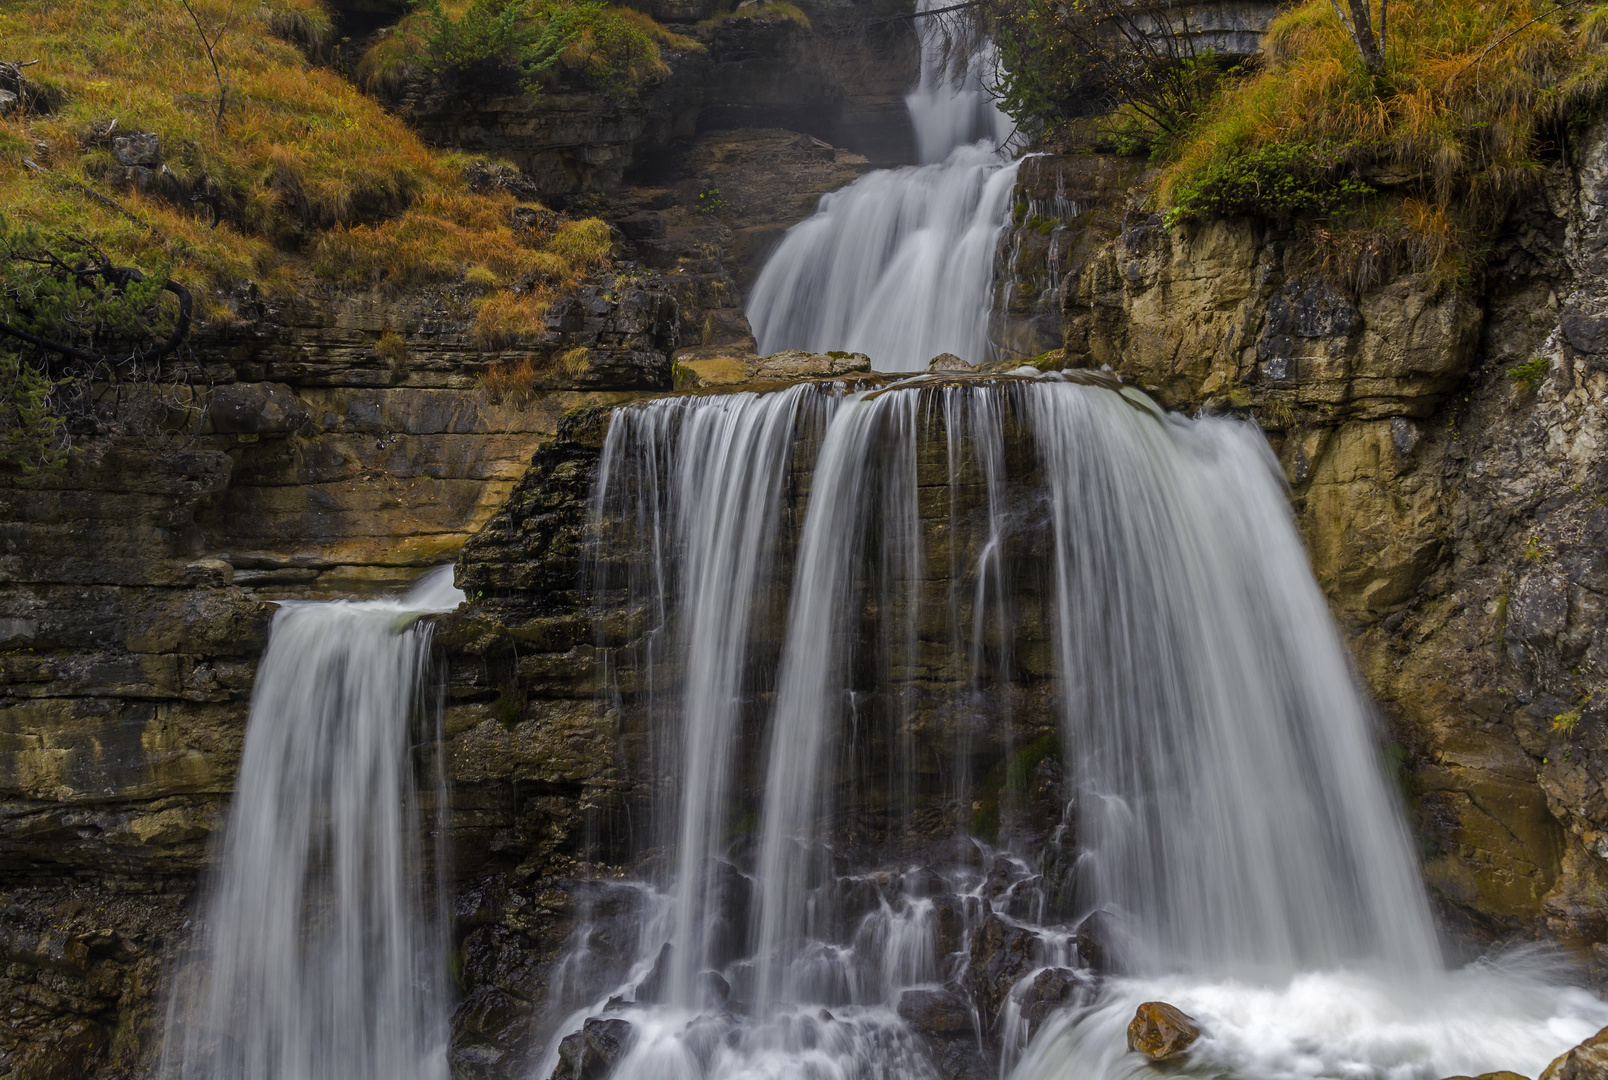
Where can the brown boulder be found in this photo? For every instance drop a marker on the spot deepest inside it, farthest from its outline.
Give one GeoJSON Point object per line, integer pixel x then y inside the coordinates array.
{"type": "Point", "coordinates": [1588, 1061]}
{"type": "Point", "coordinates": [1159, 1031]}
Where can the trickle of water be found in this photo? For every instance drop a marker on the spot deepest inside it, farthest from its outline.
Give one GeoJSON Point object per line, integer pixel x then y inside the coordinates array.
{"type": "Point", "coordinates": [318, 948]}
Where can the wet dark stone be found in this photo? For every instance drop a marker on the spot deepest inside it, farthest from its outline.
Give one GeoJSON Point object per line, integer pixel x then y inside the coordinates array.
{"type": "Point", "coordinates": [948, 924]}
{"type": "Point", "coordinates": [1050, 991]}
{"type": "Point", "coordinates": [1001, 953]}
{"type": "Point", "coordinates": [935, 1012]}
{"type": "Point", "coordinates": [717, 991]}
{"type": "Point", "coordinates": [651, 989]}
{"type": "Point", "coordinates": [1096, 943]}
{"type": "Point", "coordinates": [924, 882]}
{"type": "Point", "coordinates": [731, 896]}
{"type": "Point", "coordinates": [592, 1052]}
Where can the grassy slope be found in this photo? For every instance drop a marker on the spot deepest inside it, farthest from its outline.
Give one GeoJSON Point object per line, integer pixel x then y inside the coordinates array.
{"type": "Point", "coordinates": [315, 179]}
{"type": "Point", "coordinates": [1475, 94]}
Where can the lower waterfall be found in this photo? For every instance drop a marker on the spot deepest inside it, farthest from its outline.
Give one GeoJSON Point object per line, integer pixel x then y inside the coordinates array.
{"type": "Point", "coordinates": [843, 894]}
{"type": "Point", "coordinates": [318, 953]}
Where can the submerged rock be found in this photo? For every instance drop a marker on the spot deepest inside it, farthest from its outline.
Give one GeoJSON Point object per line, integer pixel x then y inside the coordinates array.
{"type": "Point", "coordinates": [1159, 1031]}
{"type": "Point", "coordinates": [1050, 989]}
{"type": "Point", "coordinates": [1588, 1061]}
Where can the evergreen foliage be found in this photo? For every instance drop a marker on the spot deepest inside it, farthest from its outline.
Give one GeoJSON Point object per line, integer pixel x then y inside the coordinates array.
{"type": "Point", "coordinates": [80, 338]}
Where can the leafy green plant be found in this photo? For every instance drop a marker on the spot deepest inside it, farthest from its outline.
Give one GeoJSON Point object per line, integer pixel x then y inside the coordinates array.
{"type": "Point", "coordinates": [81, 343]}
{"type": "Point", "coordinates": [709, 201]}
{"type": "Point", "coordinates": [1280, 181]}
{"type": "Point", "coordinates": [1565, 723]}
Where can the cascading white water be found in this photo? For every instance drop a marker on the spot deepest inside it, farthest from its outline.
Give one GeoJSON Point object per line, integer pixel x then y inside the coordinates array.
{"type": "Point", "coordinates": [811, 690]}
{"type": "Point", "coordinates": [712, 534]}
{"type": "Point", "coordinates": [1229, 796]}
{"type": "Point", "coordinates": [1232, 817]}
{"type": "Point", "coordinates": [318, 954]}
{"type": "Point", "coordinates": [899, 265]}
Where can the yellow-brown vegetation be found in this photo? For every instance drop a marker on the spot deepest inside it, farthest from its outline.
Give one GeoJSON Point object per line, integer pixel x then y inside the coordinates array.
{"type": "Point", "coordinates": [310, 176]}
{"type": "Point", "coordinates": [1473, 99]}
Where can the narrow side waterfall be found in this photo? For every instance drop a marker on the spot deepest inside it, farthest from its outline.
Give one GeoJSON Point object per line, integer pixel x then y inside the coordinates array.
{"type": "Point", "coordinates": [900, 264]}
{"type": "Point", "coordinates": [319, 951]}
{"type": "Point", "coordinates": [847, 601]}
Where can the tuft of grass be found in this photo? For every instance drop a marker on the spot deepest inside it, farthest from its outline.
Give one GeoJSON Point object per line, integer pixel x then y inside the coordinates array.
{"type": "Point", "coordinates": [584, 243]}
{"type": "Point", "coordinates": [1565, 723]}
{"type": "Point", "coordinates": [393, 350]}
{"type": "Point", "coordinates": [508, 318]}
{"type": "Point", "coordinates": [572, 363]}
{"type": "Point", "coordinates": [482, 279]}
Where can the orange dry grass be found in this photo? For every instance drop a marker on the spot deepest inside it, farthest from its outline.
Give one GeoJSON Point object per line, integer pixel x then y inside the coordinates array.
{"type": "Point", "coordinates": [505, 318]}
{"type": "Point", "coordinates": [303, 164]}
{"type": "Point", "coordinates": [442, 237]}
{"type": "Point", "coordinates": [1469, 91]}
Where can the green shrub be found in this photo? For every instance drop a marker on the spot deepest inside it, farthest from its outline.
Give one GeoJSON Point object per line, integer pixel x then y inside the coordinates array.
{"type": "Point", "coordinates": [1528, 375]}
{"type": "Point", "coordinates": [1279, 181]}
{"type": "Point", "coordinates": [76, 333]}
{"type": "Point", "coordinates": [494, 36]}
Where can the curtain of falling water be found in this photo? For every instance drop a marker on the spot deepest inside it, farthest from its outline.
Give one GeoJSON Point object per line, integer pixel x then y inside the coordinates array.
{"type": "Point", "coordinates": [319, 955]}
{"type": "Point", "coordinates": [847, 493]}
{"type": "Point", "coordinates": [1230, 811]}
{"type": "Point", "coordinates": [712, 471]}
{"type": "Point", "coordinates": [1230, 797]}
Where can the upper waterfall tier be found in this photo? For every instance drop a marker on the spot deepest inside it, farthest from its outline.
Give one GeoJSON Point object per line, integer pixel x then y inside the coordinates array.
{"type": "Point", "coordinates": [900, 264]}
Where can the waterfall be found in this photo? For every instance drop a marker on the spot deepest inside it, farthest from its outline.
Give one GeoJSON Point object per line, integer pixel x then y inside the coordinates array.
{"type": "Point", "coordinates": [318, 950]}
{"type": "Point", "coordinates": [711, 535]}
{"type": "Point", "coordinates": [899, 265]}
{"type": "Point", "coordinates": [810, 697]}
{"type": "Point", "coordinates": [1229, 816]}
{"type": "Point", "coordinates": [1230, 796]}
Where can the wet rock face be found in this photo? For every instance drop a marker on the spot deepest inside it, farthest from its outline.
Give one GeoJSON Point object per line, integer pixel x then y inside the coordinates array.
{"type": "Point", "coordinates": [1001, 953]}
{"type": "Point", "coordinates": [836, 79]}
{"type": "Point", "coordinates": [138, 593]}
{"type": "Point", "coordinates": [1588, 1061]}
{"type": "Point", "coordinates": [935, 1012]}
